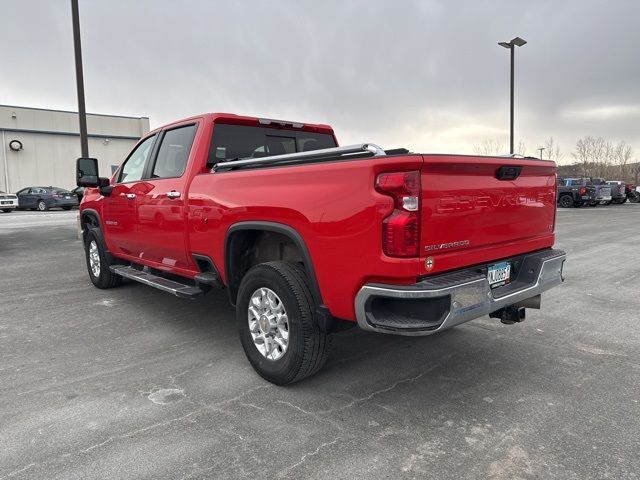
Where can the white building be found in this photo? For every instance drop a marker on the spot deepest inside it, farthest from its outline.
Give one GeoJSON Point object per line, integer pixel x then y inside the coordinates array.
{"type": "Point", "coordinates": [40, 147]}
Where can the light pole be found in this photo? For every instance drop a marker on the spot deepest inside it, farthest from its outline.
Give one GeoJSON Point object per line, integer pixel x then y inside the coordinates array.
{"type": "Point", "coordinates": [541, 150]}
{"type": "Point", "coordinates": [516, 42]}
{"type": "Point", "coordinates": [82, 114]}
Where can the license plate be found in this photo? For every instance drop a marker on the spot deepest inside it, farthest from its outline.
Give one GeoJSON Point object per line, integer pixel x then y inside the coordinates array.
{"type": "Point", "coordinates": [499, 274]}
{"type": "Point", "coordinates": [68, 197]}
{"type": "Point", "coordinates": [6, 203]}
{"type": "Point", "coordinates": [606, 197]}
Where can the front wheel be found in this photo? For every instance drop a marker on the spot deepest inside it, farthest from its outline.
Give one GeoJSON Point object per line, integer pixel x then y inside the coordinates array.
{"type": "Point", "coordinates": [98, 262]}
{"type": "Point", "coordinates": [566, 201]}
{"type": "Point", "coordinates": [277, 322]}
{"type": "Point", "coordinates": [6, 210]}
{"type": "Point", "coordinates": [634, 198]}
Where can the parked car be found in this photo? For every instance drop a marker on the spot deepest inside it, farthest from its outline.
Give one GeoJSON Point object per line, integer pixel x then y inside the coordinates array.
{"type": "Point", "coordinates": [573, 195]}
{"type": "Point", "coordinates": [44, 198]}
{"type": "Point", "coordinates": [8, 202]}
{"type": "Point", "coordinates": [599, 191]}
{"type": "Point", "coordinates": [308, 237]}
{"type": "Point", "coordinates": [633, 193]}
{"type": "Point", "coordinates": [618, 191]}
{"type": "Point", "coordinates": [79, 192]}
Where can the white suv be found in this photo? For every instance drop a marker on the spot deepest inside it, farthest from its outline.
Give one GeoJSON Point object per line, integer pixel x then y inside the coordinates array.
{"type": "Point", "coordinates": [8, 201]}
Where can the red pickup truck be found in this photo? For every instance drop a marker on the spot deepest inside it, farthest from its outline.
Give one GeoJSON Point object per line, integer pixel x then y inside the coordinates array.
{"type": "Point", "coordinates": [308, 237]}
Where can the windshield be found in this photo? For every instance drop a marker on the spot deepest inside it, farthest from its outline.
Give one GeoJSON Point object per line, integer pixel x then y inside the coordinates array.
{"type": "Point", "coordinates": [238, 141]}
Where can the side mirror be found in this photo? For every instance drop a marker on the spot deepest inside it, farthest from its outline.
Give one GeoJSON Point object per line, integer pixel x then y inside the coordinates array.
{"type": "Point", "coordinates": [87, 172]}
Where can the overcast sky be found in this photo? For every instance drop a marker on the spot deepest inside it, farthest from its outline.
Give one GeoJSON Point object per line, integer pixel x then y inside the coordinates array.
{"type": "Point", "coordinates": [427, 75]}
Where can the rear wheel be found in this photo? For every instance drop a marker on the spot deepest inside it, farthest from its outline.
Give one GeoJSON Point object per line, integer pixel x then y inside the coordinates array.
{"type": "Point", "coordinates": [566, 201]}
{"type": "Point", "coordinates": [277, 323]}
{"type": "Point", "coordinates": [98, 263]}
{"type": "Point", "coordinates": [635, 198]}
{"type": "Point", "coordinates": [578, 204]}
{"type": "Point", "coordinates": [42, 206]}
{"type": "Point", "coordinates": [66, 208]}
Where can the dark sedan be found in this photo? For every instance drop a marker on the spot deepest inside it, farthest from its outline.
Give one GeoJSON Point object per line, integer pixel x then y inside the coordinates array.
{"type": "Point", "coordinates": [44, 198]}
{"type": "Point", "coordinates": [78, 192]}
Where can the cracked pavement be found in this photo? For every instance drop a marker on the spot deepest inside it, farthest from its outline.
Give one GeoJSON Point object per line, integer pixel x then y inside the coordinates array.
{"type": "Point", "coordinates": [134, 383]}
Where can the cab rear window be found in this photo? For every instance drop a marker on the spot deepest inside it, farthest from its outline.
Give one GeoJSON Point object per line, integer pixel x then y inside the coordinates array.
{"type": "Point", "coordinates": [231, 142]}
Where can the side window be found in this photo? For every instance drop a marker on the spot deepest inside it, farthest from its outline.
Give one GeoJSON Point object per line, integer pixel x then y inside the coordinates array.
{"type": "Point", "coordinates": [133, 167]}
{"type": "Point", "coordinates": [173, 153]}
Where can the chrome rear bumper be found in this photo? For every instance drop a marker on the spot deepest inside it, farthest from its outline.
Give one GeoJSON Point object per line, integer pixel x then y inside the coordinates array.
{"type": "Point", "coordinates": [446, 300]}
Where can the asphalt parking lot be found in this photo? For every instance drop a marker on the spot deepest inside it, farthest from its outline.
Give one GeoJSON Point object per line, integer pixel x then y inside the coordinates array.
{"type": "Point", "coordinates": [134, 383]}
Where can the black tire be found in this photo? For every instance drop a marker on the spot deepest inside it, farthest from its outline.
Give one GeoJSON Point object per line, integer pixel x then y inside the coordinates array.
{"type": "Point", "coordinates": [6, 210]}
{"type": "Point", "coordinates": [42, 206]}
{"type": "Point", "coordinates": [578, 204]}
{"type": "Point", "coordinates": [566, 201]}
{"type": "Point", "coordinates": [308, 345]}
{"type": "Point", "coordinates": [66, 208]}
{"type": "Point", "coordinates": [635, 198]}
{"type": "Point", "coordinates": [593, 204]}
{"type": "Point", "coordinates": [105, 278]}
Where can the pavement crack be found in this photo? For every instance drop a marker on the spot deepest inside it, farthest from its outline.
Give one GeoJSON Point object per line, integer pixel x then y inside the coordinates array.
{"type": "Point", "coordinates": [132, 433]}
{"type": "Point", "coordinates": [358, 400]}
{"type": "Point", "coordinates": [282, 473]}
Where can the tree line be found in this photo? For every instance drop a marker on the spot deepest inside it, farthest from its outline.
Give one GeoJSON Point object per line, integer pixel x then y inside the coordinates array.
{"type": "Point", "coordinates": [592, 157]}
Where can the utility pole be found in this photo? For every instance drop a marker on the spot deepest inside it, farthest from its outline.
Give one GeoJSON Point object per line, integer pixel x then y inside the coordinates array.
{"type": "Point", "coordinates": [82, 114]}
{"type": "Point", "coordinates": [541, 150]}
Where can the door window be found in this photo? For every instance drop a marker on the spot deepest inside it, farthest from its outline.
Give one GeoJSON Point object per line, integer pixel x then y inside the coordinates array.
{"type": "Point", "coordinates": [173, 153]}
{"type": "Point", "coordinates": [133, 167]}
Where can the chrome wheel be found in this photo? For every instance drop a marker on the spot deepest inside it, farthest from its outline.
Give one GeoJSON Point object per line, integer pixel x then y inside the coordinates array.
{"type": "Point", "coordinates": [42, 206]}
{"type": "Point", "coordinates": [94, 258]}
{"type": "Point", "coordinates": [268, 323]}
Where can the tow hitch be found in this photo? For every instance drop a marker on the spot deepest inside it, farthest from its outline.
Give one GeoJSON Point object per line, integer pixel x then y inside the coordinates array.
{"type": "Point", "coordinates": [509, 315]}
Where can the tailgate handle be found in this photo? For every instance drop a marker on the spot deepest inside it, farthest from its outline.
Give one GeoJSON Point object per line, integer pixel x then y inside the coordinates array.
{"type": "Point", "coordinates": [508, 172]}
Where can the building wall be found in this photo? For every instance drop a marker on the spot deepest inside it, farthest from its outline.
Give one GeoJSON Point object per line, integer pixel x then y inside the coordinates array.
{"type": "Point", "coordinates": [51, 145]}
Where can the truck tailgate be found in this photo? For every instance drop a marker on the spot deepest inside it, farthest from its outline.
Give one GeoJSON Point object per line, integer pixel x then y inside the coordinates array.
{"type": "Point", "coordinates": [470, 216]}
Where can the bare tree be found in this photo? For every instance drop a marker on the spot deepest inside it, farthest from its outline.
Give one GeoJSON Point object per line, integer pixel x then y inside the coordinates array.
{"type": "Point", "coordinates": [595, 156]}
{"type": "Point", "coordinates": [489, 147]}
{"type": "Point", "coordinates": [635, 171]}
{"type": "Point", "coordinates": [621, 155]}
{"type": "Point", "coordinates": [521, 149]}
{"type": "Point", "coordinates": [552, 150]}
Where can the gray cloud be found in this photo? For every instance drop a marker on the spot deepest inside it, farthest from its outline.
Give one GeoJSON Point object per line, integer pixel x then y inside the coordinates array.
{"type": "Point", "coordinates": [427, 75]}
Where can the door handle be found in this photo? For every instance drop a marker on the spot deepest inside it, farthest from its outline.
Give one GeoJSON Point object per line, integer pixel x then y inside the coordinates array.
{"type": "Point", "coordinates": [173, 194]}
{"type": "Point", "coordinates": [130, 196]}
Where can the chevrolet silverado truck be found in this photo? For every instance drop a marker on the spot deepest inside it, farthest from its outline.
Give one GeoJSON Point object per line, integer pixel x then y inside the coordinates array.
{"type": "Point", "coordinates": [308, 237]}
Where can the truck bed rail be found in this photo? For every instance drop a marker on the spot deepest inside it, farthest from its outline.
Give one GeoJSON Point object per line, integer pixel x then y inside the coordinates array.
{"type": "Point", "coordinates": [368, 149]}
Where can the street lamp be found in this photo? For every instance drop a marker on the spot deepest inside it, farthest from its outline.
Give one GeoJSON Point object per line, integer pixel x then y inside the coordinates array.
{"type": "Point", "coordinates": [516, 42]}
{"type": "Point", "coordinates": [541, 150]}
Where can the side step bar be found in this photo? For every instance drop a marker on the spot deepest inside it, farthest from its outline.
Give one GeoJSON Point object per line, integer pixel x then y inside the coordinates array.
{"type": "Point", "coordinates": [178, 289]}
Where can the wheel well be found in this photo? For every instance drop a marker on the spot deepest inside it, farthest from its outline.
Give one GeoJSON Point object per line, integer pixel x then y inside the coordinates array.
{"type": "Point", "coordinates": [248, 247]}
{"type": "Point", "coordinates": [88, 220]}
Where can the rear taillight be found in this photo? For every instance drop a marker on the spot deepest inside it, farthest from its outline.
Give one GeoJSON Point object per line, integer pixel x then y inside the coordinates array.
{"type": "Point", "coordinates": [401, 229]}
{"type": "Point", "coordinates": [582, 191]}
